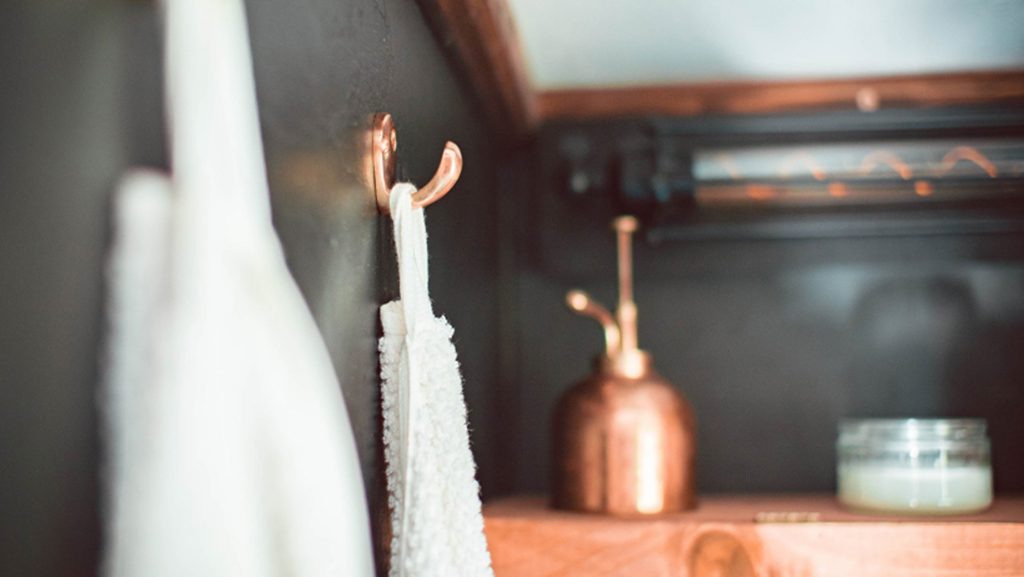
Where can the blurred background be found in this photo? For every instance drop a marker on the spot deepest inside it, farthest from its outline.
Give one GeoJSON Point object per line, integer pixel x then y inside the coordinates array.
{"type": "Point", "coordinates": [831, 200]}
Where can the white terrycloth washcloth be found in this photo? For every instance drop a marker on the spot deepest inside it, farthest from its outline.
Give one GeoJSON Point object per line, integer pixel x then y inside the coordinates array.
{"type": "Point", "coordinates": [230, 446]}
{"type": "Point", "coordinates": [436, 520]}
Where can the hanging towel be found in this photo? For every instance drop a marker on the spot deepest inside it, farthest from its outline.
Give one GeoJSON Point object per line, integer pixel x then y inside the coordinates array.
{"type": "Point", "coordinates": [437, 525]}
{"type": "Point", "coordinates": [230, 449]}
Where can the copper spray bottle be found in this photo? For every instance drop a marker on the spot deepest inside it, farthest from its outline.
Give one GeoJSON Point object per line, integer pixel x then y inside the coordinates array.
{"type": "Point", "coordinates": [624, 437]}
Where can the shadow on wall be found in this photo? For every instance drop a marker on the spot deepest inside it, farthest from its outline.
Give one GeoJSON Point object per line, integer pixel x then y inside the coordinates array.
{"type": "Point", "coordinates": [944, 346]}
{"type": "Point", "coordinates": [906, 334]}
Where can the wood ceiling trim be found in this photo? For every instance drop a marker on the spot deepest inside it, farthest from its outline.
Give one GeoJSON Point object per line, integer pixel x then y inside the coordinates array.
{"type": "Point", "coordinates": [482, 37]}
{"type": "Point", "coordinates": [983, 87]}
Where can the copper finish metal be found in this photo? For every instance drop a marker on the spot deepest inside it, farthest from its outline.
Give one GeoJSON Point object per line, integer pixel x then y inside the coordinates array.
{"type": "Point", "coordinates": [384, 145]}
{"type": "Point", "coordinates": [581, 302]}
{"type": "Point", "coordinates": [624, 437]}
{"type": "Point", "coordinates": [624, 227]}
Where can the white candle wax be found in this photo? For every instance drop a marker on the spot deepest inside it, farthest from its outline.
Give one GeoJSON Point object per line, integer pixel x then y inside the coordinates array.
{"type": "Point", "coordinates": [904, 489]}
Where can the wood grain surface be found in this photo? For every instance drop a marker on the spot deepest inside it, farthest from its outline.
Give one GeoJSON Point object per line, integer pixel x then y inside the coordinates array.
{"type": "Point", "coordinates": [798, 536]}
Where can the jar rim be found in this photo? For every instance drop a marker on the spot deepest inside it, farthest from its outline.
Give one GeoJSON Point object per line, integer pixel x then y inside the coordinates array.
{"type": "Point", "coordinates": [911, 430]}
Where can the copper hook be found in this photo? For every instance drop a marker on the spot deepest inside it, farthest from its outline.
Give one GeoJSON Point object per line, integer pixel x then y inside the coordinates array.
{"type": "Point", "coordinates": [385, 143]}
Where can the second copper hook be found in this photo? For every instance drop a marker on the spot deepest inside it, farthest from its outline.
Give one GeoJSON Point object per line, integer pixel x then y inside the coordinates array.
{"type": "Point", "coordinates": [384, 146]}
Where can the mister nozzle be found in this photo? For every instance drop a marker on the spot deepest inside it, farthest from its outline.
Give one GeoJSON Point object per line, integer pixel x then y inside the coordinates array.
{"type": "Point", "coordinates": [581, 302]}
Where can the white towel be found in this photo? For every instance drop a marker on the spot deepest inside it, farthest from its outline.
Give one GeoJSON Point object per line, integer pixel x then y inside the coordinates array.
{"type": "Point", "coordinates": [437, 525]}
{"type": "Point", "coordinates": [231, 451]}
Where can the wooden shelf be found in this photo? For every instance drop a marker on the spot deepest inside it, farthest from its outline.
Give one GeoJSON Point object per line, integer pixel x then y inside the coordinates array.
{"type": "Point", "coordinates": [780, 536]}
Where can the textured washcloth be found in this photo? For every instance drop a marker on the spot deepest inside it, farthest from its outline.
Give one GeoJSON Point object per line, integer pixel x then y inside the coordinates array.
{"type": "Point", "coordinates": [230, 449]}
{"type": "Point", "coordinates": [436, 521]}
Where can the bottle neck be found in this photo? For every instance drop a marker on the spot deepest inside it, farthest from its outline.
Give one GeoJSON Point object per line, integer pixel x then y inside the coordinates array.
{"type": "Point", "coordinates": [632, 364]}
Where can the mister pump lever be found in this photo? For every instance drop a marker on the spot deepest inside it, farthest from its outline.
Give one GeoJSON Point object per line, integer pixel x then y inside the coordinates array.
{"type": "Point", "coordinates": [581, 302]}
{"type": "Point", "coordinates": [619, 330]}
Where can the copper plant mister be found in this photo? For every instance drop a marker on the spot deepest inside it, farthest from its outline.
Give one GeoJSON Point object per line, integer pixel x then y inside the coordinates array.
{"type": "Point", "coordinates": [624, 437]}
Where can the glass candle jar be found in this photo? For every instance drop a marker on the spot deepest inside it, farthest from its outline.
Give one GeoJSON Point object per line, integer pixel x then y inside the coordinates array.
{"type": "Point", "coordinates": [927, 466]}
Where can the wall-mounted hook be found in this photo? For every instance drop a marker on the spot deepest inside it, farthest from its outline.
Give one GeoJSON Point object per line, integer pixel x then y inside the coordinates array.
{"type": "Point", "coordinates": [385, 144]}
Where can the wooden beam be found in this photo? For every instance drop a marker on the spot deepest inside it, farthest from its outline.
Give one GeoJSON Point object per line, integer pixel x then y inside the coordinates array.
{"type": "Point", "coordinates": [750, 536]}
{"type": "Point", "coordinates": [482, 37]}
{"type": "Point", "coordinates": [764, 97]}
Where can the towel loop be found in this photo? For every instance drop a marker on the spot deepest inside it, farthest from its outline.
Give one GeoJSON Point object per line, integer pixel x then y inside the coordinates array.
{"type": "Point", "coordinates": [384, 145]}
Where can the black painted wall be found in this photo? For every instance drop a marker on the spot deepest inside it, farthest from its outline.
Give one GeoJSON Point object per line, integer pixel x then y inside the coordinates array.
{"type": "Point", "coordinates": [81, 102]}
{"type": "Point", "coordinates": [771, 341]}
{"type": "Point", "coordinates": [322, 68]}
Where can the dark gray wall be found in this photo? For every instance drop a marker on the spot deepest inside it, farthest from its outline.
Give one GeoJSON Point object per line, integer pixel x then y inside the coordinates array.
{"type": "Point", "coordinates": [322, 68]}
{"type": "Point", "coordinates": [81, 101]}
{"type": "Point", "coordinates": [771, 341]}
{"type": "Point", "coordinates": [69, 98]}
